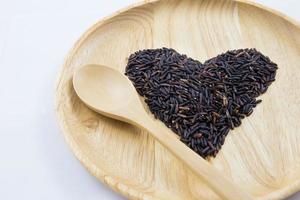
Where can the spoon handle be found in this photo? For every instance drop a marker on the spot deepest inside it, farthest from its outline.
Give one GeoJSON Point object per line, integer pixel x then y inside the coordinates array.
{"type": "Point", "coordinates": [211, 176]}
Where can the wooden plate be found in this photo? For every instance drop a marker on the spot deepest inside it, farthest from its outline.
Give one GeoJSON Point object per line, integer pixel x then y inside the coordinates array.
{"type": "Point", "coordinates": [262, 156]}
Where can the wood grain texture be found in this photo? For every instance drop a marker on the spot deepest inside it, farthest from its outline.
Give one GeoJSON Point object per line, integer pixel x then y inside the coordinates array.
{"type": "Point", "coordinates": [262, 156]}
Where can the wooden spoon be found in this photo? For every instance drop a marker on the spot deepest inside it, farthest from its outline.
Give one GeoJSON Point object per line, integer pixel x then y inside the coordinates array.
{"type": "Point", "coordinates": [110, 93]}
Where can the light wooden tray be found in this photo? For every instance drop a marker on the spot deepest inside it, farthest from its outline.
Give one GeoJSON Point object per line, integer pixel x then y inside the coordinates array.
{"type": "Point", "coordinates": [262, 156]}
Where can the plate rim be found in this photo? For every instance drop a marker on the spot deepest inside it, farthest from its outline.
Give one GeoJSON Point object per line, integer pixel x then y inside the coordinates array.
{"type": "Point", "coordinates": [99, 173]}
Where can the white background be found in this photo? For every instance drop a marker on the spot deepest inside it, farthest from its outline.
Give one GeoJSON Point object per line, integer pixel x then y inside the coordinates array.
{"type": "Point", "coordinates": [35, 36]}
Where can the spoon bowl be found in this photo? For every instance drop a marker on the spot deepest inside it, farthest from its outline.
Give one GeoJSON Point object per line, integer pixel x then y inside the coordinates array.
{"type": "Point", "coordinates": [111, 91]}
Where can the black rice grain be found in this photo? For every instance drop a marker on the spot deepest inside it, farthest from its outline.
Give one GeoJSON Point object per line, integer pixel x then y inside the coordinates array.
{"type": "Point", "coordinates": [201, 102]}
